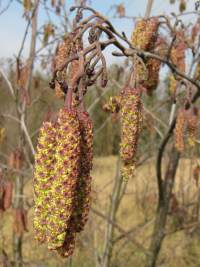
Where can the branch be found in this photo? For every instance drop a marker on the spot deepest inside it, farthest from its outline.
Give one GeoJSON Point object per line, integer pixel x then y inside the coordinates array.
{"type": "Point", "coordinates": [10, 87]}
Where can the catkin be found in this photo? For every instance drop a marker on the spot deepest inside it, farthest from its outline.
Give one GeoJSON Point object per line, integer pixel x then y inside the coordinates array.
{"type": "Point", "coordinates": [153, 67]}
{"type": "Point", "coordinates": [43, 178]}
{"type": "Point", "coordinates": [178, 52]}
{"type": "Point", "coordinates": [83, 196]}
{"type": "Point", "coordinates": [66, 174]}
{"type": "Point", "coordinates": [192, 124]}
{"type": "Point", "coordinates": [145, 33]}
{"type": "Point", "coordinates": [179, 130]}
{"type": "Point", "coordinates": [62, 53]}
{"type": "Point", "coordinates": [131, 123]}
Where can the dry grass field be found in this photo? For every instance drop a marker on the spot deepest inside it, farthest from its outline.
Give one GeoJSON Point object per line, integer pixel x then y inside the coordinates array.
{"type": "Point", "coordinates": [135, 214]}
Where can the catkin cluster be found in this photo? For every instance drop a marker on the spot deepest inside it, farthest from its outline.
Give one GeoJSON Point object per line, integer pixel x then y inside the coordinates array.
{"type": "Point", "coordinates": [62, 180]}
{"type": "Point", "coordinates": [144, 37]}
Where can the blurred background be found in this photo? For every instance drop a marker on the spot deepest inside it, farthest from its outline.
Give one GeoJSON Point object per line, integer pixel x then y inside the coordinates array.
{"type": "Point", "coordinates": [122, 217]}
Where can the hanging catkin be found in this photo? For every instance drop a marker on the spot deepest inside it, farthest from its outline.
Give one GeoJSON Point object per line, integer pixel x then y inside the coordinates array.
{"type": "Point", "coordinates": [179, 130]}
{"type": "Point", "coordinates": [43, 178]}
{"type": "Point", "coordinates": [66, 175]}
{"type": "Point", "coordinates": [62, 53]}
{"type": "Point", "coordinates": [145, 33]}
{"type": "Point", "coordinates": [83, 199]}
{"type": "Point", "coordinates": [131, 124]}
{"type": "Point", "coordinates": [192, 125]}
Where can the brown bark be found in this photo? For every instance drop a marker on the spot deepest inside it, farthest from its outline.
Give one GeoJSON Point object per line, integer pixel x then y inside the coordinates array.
{"type": "Point", "coordinates": [162, 209]}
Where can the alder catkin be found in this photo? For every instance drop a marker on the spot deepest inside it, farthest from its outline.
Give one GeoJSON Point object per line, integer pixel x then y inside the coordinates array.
{"type": "Point", "coordinates": [62, 53]}
{"type": "Point", "coordinates": [192, 124]}
{"type": "Point", "coordinates": [66, 175]}
{"type": "Point", "coordinates": [179, 130]}
{"type": "Point", "coordinates": [153, 67]}
{"type": "Point", "coordinates": [43, 178]}
{"type": "Point", "coordinates": [83, 196]}
{"type": "Point", "coordinates": [145, 33]}
{"type": "Point", "coordinates": [131, 124]}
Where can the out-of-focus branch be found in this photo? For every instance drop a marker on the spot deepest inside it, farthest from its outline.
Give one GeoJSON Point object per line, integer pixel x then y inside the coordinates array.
{"type": "Point", "coordinates": [10, 87]}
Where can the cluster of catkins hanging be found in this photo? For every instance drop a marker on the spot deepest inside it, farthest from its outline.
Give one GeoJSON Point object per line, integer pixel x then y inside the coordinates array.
{"type": "Point", "coordinates": [186, 128]}
{"type": "Point", "coordinates": [145, 37]}
{"type": "Point", "coordinates": [62, 181]}
{"type": "Point", "coordinates": [145, 78]}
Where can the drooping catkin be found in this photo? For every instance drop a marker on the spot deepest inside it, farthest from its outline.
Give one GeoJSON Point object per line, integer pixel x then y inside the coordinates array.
{"type": "Point", "coordinates": [180, 130]}
{"type": "Point", "coordinates": [153, 67]}
{"type": "Point", "coordinates": [66, 175]}
{"type": "Point", "coordinates": [62, 53]}
{"type": "Point", "coordinates": [43, 178]}
{"type": "Point", "coordinates": [83, 196]}
{"type": "Point", "coordinates": [192, 124]}
{"type": "Point", "coordinates": [178, 52]}
{"type": "Point", "coordinates": [131, 124]}
{"type": "Point", "coordinates": [145, 33]}
{"type": "Point", "coordinates": [82, 199]}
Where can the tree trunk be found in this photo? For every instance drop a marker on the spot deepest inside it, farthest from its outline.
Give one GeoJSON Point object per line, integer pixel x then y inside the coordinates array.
{"type": "Point", "coordinates": [162, 209]}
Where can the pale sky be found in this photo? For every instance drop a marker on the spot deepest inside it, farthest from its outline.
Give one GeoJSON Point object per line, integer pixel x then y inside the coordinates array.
{"type": "Point", "coordinates": [12, 25]}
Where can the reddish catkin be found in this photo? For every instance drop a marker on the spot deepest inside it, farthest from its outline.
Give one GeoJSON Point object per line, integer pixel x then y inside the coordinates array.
{"type": "Point", "coordinates": [131, 124]}
{"type": "Point", "coordinates": [66, 175]}
{"type": "Point", "coordinates": [178, 52]}
{"type": "Point", "coordinates": [62, 53]}
{"type": "Point", "coordinates": [43, 178]}
{"type": "Point", "coordinates": [84, 183]}
{"type": "Point", "coordinates": [153, 67]}
{"type": "Point", "coordinates": [180, 130]}
{"type": "Point", "coordinates": [192, 124]}
{"type": "Point", "coordinates": [7, 200]}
